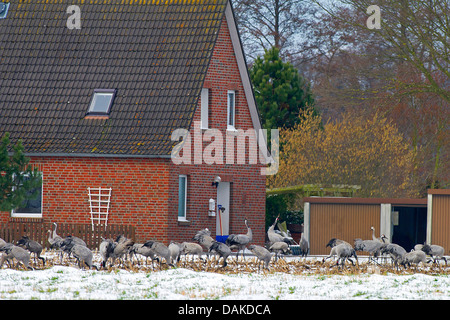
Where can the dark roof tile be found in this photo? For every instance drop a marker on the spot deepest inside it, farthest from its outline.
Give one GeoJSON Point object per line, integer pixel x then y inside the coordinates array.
{"type": "Point", "coordinates": [156, 54]}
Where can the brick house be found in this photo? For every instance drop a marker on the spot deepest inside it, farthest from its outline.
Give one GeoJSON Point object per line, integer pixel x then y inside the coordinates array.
{"type": "Point", "coordinates": [96, 104]}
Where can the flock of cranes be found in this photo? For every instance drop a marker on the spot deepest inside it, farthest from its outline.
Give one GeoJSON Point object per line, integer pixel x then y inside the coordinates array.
{"type": "Point", "coordinates": [280, 244]}
{"type": "Point", "coordinates": [378, 247]}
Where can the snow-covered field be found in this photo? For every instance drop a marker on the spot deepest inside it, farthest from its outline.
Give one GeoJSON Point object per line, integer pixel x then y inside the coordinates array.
{"type": "Point", "coordinates": [71, 283]}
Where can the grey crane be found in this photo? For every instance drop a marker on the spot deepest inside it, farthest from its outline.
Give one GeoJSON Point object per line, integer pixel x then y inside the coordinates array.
{"type": "Point", "coordinates": [161, 250]}
{"type": "Point", "coordinates": [122, 247]}
{"type": "Point", "coordinates": [414, 257]}
{"type": "Point", "coordinates": [278, 248]}
{"type": "Point", "coordinates": [334, 242]}
{"type": "Point", "coordinates": [55, 242]}
{"type": "Point", "coordinates": [373, 247]}
{"type": "Point", "coordinates": [76, 239]}
{"type": "Point", "coordinates": [72, 239]}
{"type": "Point", "coordinates": [374, 238]}
{"type": "Point", "coordinates": [80, 252]}
{"type": "Point", "coordinates": [19, 253]}
{"type": "Point", "coordinates": [304, 246]}
{"type": "Point", "coordinates": [395, 251]}
{"type": "Point", "coordinates": [2, 243]}
{"type": "Point", "coordinates": [175, 252]}
{"type": "Point", "coordinates": [191, 248]}
{"type": "Point", "coordinates": [240, 241]}
{"type": "Point", "coordinates": [69, 242]}
{"type": "Point", "coordinates": [434, 250]}
{"type": "Point", "coordinates": [384, 238]}
{"type": "Point", "coordinates": [343, 251]}
{"type": "Point", "coordinates": [262, 254]}
{"type": "Point", "coordinates": [106, 248]}
{"type": "Point", "coordinates": [54, 239]}
{"type": "Point", "coordinates": [83, 253]}
{"type": "Point", "coordinates": [222, 250]}
{"type": "Point", "coordinates": [114, 249]}
{"type": "Point", "coordinates": [277, 237]}
{"type": "Point", "coordinates": [32, 246]}
{"type": "Point", "coordinates": [203, 237]}
{"type": "Point", "coordinates": [139, 248]}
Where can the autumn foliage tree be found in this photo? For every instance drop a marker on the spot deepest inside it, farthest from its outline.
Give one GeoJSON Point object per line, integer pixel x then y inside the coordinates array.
{"type": "Point", "coordinates": [400, 70]}
{"type": "Point", "coordinates": [354, 151]}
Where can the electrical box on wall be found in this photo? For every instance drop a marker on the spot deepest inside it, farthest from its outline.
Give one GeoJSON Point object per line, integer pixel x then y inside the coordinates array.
{"type": "Point", "coordinates": [212, 208]}
{"type": "Point", "coordinates": [394, 218]}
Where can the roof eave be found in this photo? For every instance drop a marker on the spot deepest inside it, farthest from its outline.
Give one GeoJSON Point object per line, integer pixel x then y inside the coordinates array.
{"type": "Point", "coordinates": [366, 201]}
{"type": "Point", "coordinates": [96, 155]}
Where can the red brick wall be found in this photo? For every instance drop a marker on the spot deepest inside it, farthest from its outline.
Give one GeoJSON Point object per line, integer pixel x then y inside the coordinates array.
{"type": "Point", "coordinates": [143, 195]}
{"type": "Point", "coordinates": [139, 191]}
{"type": "Point", "coordinates": [247, 198]}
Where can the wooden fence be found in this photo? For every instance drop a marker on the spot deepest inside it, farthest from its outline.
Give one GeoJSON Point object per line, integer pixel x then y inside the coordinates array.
{"type": "Point", "coordinates": [38, 231]}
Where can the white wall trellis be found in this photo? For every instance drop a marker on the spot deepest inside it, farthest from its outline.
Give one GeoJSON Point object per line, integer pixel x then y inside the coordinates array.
{"type": "Point", "coordinates": [99, 201]}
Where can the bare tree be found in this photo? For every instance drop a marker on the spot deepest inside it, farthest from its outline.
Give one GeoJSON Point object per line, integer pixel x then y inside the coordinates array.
{"type": "Point", "coordinates": [401, 70]}
{"type": "Point", "coordinates": [272, 23]}
{"type": "Point", "coordinates": [417, 33]}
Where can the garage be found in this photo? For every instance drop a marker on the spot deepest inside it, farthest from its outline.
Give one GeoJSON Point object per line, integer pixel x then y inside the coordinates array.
{"type": "Point", "coordinates": [402, 221]}
{"type": "Point", "coordinates": [438, 218]}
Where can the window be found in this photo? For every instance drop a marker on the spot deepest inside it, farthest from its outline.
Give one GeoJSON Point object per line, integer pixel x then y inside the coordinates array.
{"type": "Point", "coordinates": [101, 102]}
{"type": "Point", "coordinates": [231, 109]}
{"type": "Point", "coordinates": [3, 9]}
{"type": "Point", "coordinates": [30, 208]}
{"type": "Point", "coordinates": [204, 101]}
{"type": "Point", "coordinates": [182, 195]}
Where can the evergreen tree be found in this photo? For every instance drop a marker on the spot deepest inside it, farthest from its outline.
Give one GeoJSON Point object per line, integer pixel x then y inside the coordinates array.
{"type": "Point", "coordinates": [18, 181]}
{"type": "Point", "coordinates": [280, 91]}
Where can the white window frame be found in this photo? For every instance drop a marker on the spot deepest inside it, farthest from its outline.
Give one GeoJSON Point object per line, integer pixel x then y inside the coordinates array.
{"type": "Point", "coordinates": [204, 106]}
{"type": "Point", "coordinates": [111, 93]}
{"type": "Point", "coordinates": [15, 214]}
{"type": "Point", "coordinates": [182, 218]}
{"type": "Point", "coordinates": [229, 105]}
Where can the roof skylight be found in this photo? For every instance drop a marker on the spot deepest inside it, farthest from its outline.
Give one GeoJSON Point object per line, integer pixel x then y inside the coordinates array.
{"type": "Point", "coordinates": [4, 9]}
{"type": "Point", "coordinates": [101, 102]}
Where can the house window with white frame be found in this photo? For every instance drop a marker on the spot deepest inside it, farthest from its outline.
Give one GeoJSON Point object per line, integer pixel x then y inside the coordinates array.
{"type": "Point", "coordinates": [231, 110]}
{"type": "Point", "coordinates": [204, 103]}
{"type": "Point", "coordinates": [32, 206]}
{"type": "Point", "coordinates": [182, 197]}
